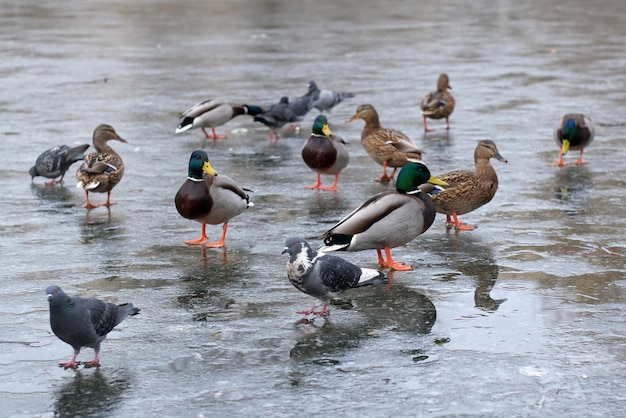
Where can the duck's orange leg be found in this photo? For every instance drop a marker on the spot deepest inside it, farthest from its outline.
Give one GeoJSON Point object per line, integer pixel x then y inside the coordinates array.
{"type": "Point", "coordinates": [317, 185]}
{"type": "Point", "coordinates": [426, 128]}
{"type": "Point", "coordinates": [203, 238]}
{"type": "Point", "coordinates": [385, 177]}
{"type": "Point", "coordinates": [108, 202]}
{"type": "Point", "coordinates": [220, 243]}
{"type": "Point", "coordinates": [214, 134]}
{"type": "Point", "coordinates": [454, 222]}
{"type": "Point", "coordinates": [580, 159]}
{"type": "Point", "coordinates": [88, 204]}
{"type": "Point", "coordinates": [390, 263]}
{"type": "Point", "coordinates": [334, 186]}
{"type": "Point", "coordinates": [559, 162]}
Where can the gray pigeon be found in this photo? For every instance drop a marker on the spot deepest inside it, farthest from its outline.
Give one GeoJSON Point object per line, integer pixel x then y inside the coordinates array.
{"type": "Point", "coordinates": [276, 116]}
{"type": "Point", "coordinates": [325, 100]}
{"type": "Point", "coordinates": [324, 276]}
{"type": "Point", "coordinates": [82, 322]}
{"type": "Point", "coordinates": [54, 162]}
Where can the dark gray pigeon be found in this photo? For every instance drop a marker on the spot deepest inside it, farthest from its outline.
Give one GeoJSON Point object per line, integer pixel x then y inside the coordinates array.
{"type": "Point", "coordinates": [324, 276]}
{"type": "Point", "coordinates": [82, 322]}
{"type": "Point", "coordinates": [276, 116]}
{"type": "Point", "coordinates": [303, 104]}
{"type": "Point", "coordinates": [325, 100]}
{"type": "Point", "coordinates": [54, 162]}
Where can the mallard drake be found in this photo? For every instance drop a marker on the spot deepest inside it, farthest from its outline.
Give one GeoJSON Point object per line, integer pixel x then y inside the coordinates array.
{"type": "Point", "coordinates": [102, 170]}
{"type": "Point", "coordinates": [388, 147]}
{"type": "Point", "coordinates": [325, 153]}
{"type": "Point", "coordinates": [208, 198]}
{"type": "Point", "coordinates": [438, 104]}
{"type": "Point", "coordinates": [212, 113]}
{"type": "Point", "coordinates": [468, 189]}
{"type": "Point", "coordinates": [276, 116]}
{"type": "Point", "coordinates": [574, 131]}
{"type": "Point", "coordinates": [389, 219]}
{"type": "Point", "coordinates": [325, 100]}
{"type": "Point", "coordinates": [55, 161]}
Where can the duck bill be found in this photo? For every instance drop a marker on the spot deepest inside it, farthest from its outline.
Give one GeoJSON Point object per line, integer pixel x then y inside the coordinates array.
{"type": "Point", "coordinates": [207, 168]}
{"type": "Point", "coordinates": [565, 147]}
{"type": "Point", "coordinates": [353, 118]}
{"type": "Point", "coordinates": [326, 130]}
{"type": "Point", "coordinates": [438, 182]}
{"type": "Point", "coordinates": [500, 158]}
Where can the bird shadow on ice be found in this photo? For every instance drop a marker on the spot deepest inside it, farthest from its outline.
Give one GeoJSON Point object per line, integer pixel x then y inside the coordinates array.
{"type": "Point", "coordinates": [463, 258]}
{"type": "Point", "coordinates": [571, 186]}
{"type": "Point", "coordinates": [90, 393]}
{"type": "Point", "coordinates": [394, 308]}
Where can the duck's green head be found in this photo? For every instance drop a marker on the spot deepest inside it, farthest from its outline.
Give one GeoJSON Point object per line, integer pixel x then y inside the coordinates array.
{"type": "Point", "coordinates": [320, 126]}
{"type": "Point", "coordinates": [199, 164]}
{"type": "Point", "coordinates": [253, 110]}
{"type": "Point", "coordinates": [568, 132]}
{"type": "Point", "coordinates": [412, 175]}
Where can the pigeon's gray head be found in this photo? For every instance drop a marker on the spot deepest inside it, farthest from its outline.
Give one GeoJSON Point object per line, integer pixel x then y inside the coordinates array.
{"type": "Point", "coordinates": [294, 246]}
{"type": "Point", "coordinates": [52, 290]}
{"type": "Point", "coordinates": [33, 172]}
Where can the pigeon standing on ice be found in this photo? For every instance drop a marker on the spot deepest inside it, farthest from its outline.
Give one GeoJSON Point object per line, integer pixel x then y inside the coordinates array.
{"type": "Point", "coordinates": [55, 161]}
{"type": "Point", "coordinates": [82, 322]}
{"type": "Point", "coordinates": [276, 116]}
{"type": "Point", "coordinates": [324, 276]}
{"type": "Point", "coordinates": [325, 100]}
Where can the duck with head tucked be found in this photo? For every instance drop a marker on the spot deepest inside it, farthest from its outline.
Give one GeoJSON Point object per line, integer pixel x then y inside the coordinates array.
{"type": "Point", "coordinates": [388, 147]}
{"type": "Point", "coordinates": [388, 219]}
{"type": "Point", "coordinates": [438, 104]}
{"type": "Point", "coordinates": [208, 198]}
{"type": "Point", "coordinates": [211, 114]}
{"type": "Point", "coordinates": [468, 190]}
{"type": "Point", "coordinates": [574, 131]}
{"type": "Point", "coordinates": [102, 170]}
{"type": "Point", "coordinates": [325, 153]}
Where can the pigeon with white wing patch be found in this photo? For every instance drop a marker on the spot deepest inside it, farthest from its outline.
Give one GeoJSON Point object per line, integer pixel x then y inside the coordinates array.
{"type": "Point", "coordinates": [324, 276]}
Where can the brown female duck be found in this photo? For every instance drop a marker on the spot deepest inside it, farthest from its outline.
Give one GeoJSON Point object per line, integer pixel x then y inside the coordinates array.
{"type": "Point", "coordinates": [102, 170]}
{"type": "Point", "coordinates": [468, 190]}
{"type": "Point", "coordinates": [388, 147]}
{"type": "Point", "coordinates": [438, 104]}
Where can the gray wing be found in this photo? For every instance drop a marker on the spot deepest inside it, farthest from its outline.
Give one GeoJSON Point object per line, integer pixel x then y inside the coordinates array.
{"type": "Point", "coordinates": [336, 273]}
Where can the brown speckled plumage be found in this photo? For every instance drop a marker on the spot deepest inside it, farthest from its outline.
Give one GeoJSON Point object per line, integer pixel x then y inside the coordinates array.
{"type": "Point", "coordinates": [102, 170]}
{"type": "Point", "coordinates": [438, 104]}
{"type": "Point", "coordinates": [468, 190]}
{"type": "Point", "coordinates": [388, 147]}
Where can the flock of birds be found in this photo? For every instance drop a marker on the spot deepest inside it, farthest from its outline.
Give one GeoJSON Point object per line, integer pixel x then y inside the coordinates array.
{"type": "Point", "coordinates": [384, 221]}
